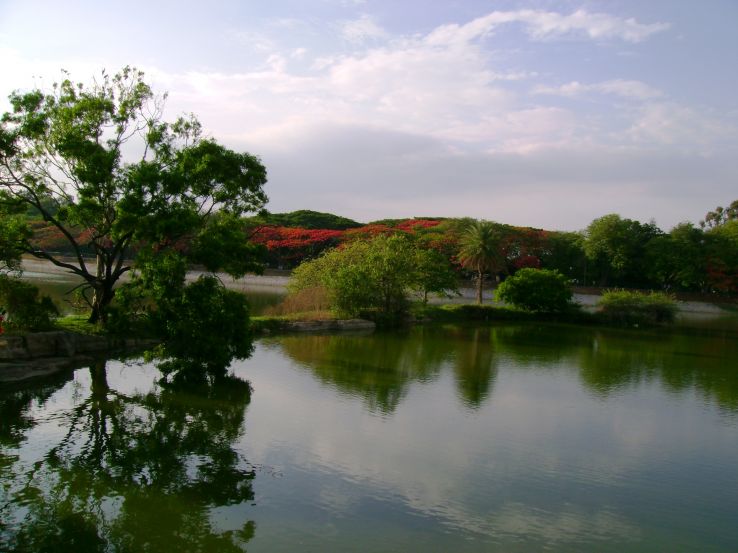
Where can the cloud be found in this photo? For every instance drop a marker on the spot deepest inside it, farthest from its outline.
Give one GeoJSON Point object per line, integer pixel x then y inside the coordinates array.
{"type": "Point", "coordinates": [362, 30]}
{"type": "Point", "coordinates": [618, 87]}
{"type": "Point", "coordinates": [375, 173]}
{"type": "Point", "coordinates": [672, 124]}
{"type": "Point", "coordinates": [542, 25]}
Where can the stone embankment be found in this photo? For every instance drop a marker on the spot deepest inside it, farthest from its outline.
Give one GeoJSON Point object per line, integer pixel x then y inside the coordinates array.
{"type": "Point", "coordinates": [45, 353]}
{"type": "Point", "coordinates": [327, 325]}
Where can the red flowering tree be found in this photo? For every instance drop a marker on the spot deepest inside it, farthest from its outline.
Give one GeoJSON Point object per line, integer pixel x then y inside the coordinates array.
{"type": "Point", "coordinates": [288, 247]}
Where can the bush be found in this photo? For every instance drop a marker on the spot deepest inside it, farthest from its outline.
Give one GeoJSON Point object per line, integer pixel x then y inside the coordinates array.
{"type": "Point", "coordinates": [538, 290]}
{"type": "Point", "coordinates": [23, 308]}
{"type": "Point", "coordinates": [631, 307]}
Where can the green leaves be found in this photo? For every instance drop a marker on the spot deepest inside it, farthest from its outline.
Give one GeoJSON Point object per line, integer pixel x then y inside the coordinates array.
{"type": "Point", "coordinates": [540, 290]}
{"type": "Point", "coordinates": [374, 275]}
{"type": "Point", "coordinates": [69, 152]}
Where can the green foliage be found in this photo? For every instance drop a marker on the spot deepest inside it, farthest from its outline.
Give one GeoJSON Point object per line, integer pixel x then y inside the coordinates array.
{"type": "Point", "coordinates": [220, 245]}
{"type": "Point", "coordinates": [62, 160]}
{"type": "Point", "coordinates": [203, 328]}
{"type": "Point", "coordinates": [720, 216]}
{"type": "Point", "coordinates": [23, 308]}
{"type": "Point", "coordinates": [370, 277]}
{"type": "Point", "coordinates": [13, 229]}
{"type": "Point", "coordinates": [435, 275]}
{"type": "Point", "coordinates": [677, 260]}
{"type": "Point", "coordinates": [632, 307]}
{"type": "Point", "coordinates": [617, 247]}
{"type": "Point", "coordinates": [540, 290]}
{"type": "Point", "coordinates": [564, 253]}
{"type": "Point", "coordinates": [481, 251]}
{"type": "Point", "coordinates": [304, 218]}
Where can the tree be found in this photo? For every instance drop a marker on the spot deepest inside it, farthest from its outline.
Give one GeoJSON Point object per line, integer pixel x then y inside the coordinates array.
{"type": "Point", "coordinates": [720, 216]}
{"type": "Point", "coordinates": [539, 290]}
{"type": "Point", "coordinates": [678, 260]}
{"type": "Point", "coordinates": [65, 155]}
{"type": "Point", "coordinates": [616, 246]}
{"type": "Point", "coordinates": [434, 274]}
{"type": "Point", "coordinates": [371, 274]}
{"type": "Point", "coordinates": [481, 252]}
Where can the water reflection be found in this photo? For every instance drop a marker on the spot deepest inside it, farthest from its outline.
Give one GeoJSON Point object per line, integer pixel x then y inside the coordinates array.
{"type": "Point", "coordinates": [382, 368]}
{"type": "Point", "coordinates": [124, 470]}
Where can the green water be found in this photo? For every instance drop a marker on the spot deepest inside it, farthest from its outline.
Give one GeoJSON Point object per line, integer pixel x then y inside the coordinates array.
{"type": "Point", "coordinates": [499, 438]}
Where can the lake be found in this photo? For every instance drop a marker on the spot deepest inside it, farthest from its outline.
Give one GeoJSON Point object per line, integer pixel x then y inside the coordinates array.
{"type": "Point", "coordinates": [440, 438]}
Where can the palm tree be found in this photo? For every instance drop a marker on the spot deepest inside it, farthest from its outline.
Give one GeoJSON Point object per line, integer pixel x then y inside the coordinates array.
{"type": "Point", "coordinates": [481, 251]}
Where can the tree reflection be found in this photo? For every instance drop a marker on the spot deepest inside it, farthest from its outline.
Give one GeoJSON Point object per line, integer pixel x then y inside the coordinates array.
{"type": "Point", "coordinates": [381, 368]}
{"type": "Point", "coordinates": [138, 472]}
{"type": "Point", "coordinates": [475, 367]}
{"type": "Point", "coordinates": [679, 361]}
{"type": "Point", "coordinates": [609, 360]}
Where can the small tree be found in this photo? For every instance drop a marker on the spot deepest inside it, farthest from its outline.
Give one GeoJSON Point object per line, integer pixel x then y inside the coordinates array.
{"type": "Point", "coordinates": [371, 274]}
{"type": "Point", "coordinates": [540, 290]}
{"type": "Point", "coordinates": [434, 274]}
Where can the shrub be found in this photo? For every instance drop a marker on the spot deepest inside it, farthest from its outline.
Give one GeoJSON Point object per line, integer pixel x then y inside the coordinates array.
{"type": "Point", "coordinates": [24, 309]}
{"type": "Point", "coordinates": [632, 307]}
{"type": "Point", "coordinates": [539, 290]}
{"type": "Point", "coordinates": [371, 278]}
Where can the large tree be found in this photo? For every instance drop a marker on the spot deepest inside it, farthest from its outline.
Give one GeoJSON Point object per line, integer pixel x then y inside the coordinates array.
{"type": "Point", "coordinates": [481, 252]}
{"type": "Point", "coordinates": [100, 165]}
{"type": "Point", "coordinates": [617, 249]}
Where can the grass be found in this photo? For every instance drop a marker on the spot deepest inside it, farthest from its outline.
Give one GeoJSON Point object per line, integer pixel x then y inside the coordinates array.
{"type": "Point", "coordinates": [78, 324]}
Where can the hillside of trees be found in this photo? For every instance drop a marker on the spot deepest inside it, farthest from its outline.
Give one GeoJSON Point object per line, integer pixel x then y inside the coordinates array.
{"type": "Point", "coordinates": [611, 252]}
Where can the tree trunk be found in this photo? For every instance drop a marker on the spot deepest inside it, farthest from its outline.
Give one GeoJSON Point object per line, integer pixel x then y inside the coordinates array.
{"type": "Point", "coordinates": [480, 287]}
{"type": "Point", "coordinates": [103, 292]}
{"type": "Point", "coordinates": [100, 300]}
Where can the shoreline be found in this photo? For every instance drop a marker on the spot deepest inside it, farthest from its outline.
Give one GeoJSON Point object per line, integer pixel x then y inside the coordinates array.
{"type": "Point", "coordinates": [276, 281]}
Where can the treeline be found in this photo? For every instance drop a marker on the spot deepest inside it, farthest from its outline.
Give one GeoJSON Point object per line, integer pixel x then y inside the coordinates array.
{"type": "Point", "coordinates": [611, 252]}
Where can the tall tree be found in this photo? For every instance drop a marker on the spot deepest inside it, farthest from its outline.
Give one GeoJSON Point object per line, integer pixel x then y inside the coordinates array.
{"type": "Point", "coordinates": [66, 154]}
{"type": "Point", "coordinates": [481, 252]}
{"type": "Point", "coordinates": [720, 216]}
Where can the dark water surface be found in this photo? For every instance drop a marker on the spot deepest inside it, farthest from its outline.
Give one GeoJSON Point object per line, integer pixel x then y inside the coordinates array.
{"type": "Point", "coordinates": [499, 438]}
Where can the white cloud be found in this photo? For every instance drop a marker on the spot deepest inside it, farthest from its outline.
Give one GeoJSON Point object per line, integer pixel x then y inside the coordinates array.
{"type": "Point", "coordinates": [618, 87]}
{"type": "Point", "coordinates": [362, 30]}
{"type": "Point", "coordinates": [298, 53]}
{"type": "Point", "coordinates": [546, 25]}
{"type": "Point", "coordinates": [672, 124]}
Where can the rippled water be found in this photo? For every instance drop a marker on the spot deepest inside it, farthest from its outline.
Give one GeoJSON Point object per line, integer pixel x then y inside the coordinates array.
{"type": "Point", "coordinates": [499, 438]}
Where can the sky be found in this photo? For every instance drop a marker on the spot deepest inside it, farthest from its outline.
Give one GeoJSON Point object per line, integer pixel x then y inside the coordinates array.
{"type": "Point", "coordinates": [543, 113]}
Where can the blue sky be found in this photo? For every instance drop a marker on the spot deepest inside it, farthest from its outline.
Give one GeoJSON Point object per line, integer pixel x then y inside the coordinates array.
{"type": "Point", "coordinates": [541, 113]}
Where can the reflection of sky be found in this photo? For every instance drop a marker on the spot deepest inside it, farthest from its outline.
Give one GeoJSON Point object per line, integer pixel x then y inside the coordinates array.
{"type": "Point", "coordinates": [542, 461]}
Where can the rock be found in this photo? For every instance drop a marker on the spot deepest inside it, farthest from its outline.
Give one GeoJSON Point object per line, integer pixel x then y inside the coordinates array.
{"type": "Point", "coordinates": [91, 344]}
{"type": "Point", "coordinates": [330, 325]}
{"type": "Point", "coordinates": [41, 344]}
{"type": "Point", "coordinates": [13, 347]}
